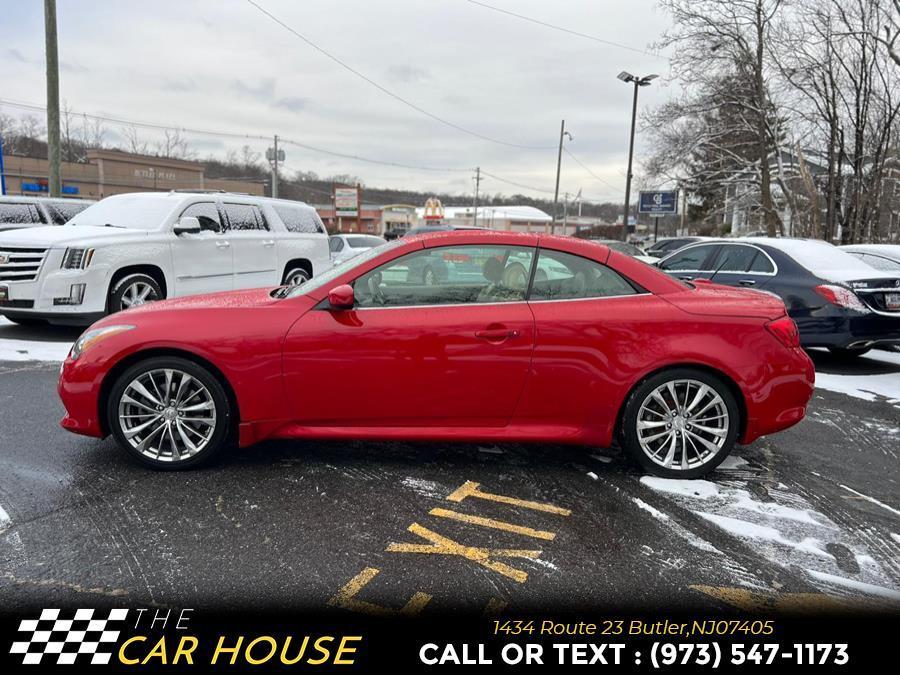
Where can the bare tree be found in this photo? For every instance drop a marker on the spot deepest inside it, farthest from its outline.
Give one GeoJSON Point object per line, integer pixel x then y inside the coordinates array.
{"type": "Point", "coordinates": [135, 144]}
{"type": "Point", "coordinates": [174, 145]}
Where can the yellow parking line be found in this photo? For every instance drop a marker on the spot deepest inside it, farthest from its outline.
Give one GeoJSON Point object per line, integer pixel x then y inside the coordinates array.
{"type": "Point", "coordinates": [471, 489]}
{"type": "Point", "coordinates": [495, 524]}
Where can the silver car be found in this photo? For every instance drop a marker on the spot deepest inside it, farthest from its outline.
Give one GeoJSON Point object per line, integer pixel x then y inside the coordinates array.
{"type": "Point", "coordinates": [345, 246]}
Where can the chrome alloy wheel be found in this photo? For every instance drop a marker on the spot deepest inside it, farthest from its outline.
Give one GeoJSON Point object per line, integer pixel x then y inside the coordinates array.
{"type": "Point", "coordinates": [682, 424]}
{"type": "Point", "coordinates": [137, 294]}
{"type": "Point", "coordinates": [167, 415]}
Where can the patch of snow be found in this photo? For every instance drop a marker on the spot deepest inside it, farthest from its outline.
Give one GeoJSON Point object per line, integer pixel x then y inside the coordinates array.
{"type": "Point", "coordinates": [701, 489]}
{"type": "Point", "coordinates": [872, 500]}
{"type": "Point", "coordinates": [895, 537]}
{"type": "Point", "coordinates": [868, 589]}
{"type": "Point", "coordinates": [733, 462]}
{"type": "Point", "coordinates": [5, 520]}
{"type": "Point", "coordinates": [602, 458]}
{"type": "Point", "coordinates": [545, 563]}
{"type": "Point", "coordinates": [748, 530]}
{"type": "Point", "coordinates": [491, 451]}
{"type": "Point", "coordinates": [31, 350]}
{"type": "Point", "coordinates": [866, 387]}
{"type": "Point", "coordinates": [426, 488]}
{"type": "Point", "coordinates": [593, 475]}
{"type": "Point", "coordinates": [656, 513]}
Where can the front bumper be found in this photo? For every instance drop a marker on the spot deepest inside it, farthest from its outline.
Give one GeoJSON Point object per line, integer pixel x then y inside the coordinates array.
{"type": "Point", "coordinates": [79, 390]}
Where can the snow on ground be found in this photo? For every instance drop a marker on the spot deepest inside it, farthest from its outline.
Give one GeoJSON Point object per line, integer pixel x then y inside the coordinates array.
{"type": "Point", "coordinates": [785, 529]}
{"type": "Point", "coordinates": [866, 387]}
{"type": "Point", "coordinates": [13, 349]}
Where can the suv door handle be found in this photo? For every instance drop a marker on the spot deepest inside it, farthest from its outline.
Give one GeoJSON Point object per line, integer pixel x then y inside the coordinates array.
{"type": "Point", "coordinates": [269, 243]}
{"type": "Point", "coordinates": [496, 334]}
{"type": "Point", "coordinates": [223, 244]}
{"type": "Point", "coordinates": [746, 282]}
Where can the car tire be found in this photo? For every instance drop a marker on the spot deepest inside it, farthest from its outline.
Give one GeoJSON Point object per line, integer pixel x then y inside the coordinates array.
{"type": "Point", "coordinates": [847, 353]}
{"type": "Point", "coordinates": [202, 419]}
{"type": "Point", "coordinates": [133, 290]}
{"type": "Point", "coordinates": [650, 407]}
{"type": "Point", "coordinates": [295, 277]}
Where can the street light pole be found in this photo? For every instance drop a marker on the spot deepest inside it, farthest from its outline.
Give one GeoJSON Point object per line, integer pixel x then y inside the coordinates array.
{"type": "Point", "coordinates": [54, 182]}
{"type": "Point", "coordinates": [638, 82]}
{"type": "Point", "coordinates": [562, 133]}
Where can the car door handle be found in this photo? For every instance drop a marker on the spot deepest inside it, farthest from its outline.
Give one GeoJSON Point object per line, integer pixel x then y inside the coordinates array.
{"type": "Point", "coordinates": [269, 243]}
{"type": "Point", "coordinates": [686, 278]}
{"type": "Point", "coordinates": [746, 282]}
{"type": "Point", "coordinates": [496, 334]}
{"type": "Point", "coordinates": [223, 244]}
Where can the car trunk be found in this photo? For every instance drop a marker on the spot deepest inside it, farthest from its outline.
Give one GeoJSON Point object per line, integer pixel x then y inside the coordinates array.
{"type": "Point", "coordinates": [708, 299]}
{"type": "Point", "coordinates": [879, 294]}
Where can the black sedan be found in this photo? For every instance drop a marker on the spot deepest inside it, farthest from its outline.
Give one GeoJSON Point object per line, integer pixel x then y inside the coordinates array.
{"type": "Point", "coordinates": [663, 247]}
{"type": "Point", "coordinates": [837, 301]}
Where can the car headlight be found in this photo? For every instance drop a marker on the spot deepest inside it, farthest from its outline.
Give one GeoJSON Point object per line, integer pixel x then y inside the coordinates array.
{"type": "Point", "coordinates": [77, 258]}
{"type": "Point", "coordinates": [93, 336]}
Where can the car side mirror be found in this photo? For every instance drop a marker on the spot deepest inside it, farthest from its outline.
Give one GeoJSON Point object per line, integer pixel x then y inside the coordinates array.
{"type": "Point", "coordinates": [341, 297]}
{"type": "Point", "coordinates": [187, 225]}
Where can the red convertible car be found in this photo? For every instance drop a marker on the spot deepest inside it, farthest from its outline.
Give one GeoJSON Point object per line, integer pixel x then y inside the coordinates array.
{"type": "Point", "coordinates": [469, 336]}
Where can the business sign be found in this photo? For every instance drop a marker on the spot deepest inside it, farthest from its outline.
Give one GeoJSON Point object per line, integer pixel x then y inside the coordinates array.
{"type": "Point", "coordinates": [42, 186]}
{"type": "Point", "coordinates": [346, 201]}
{"type": "Point", "coordinates": [658, 202]}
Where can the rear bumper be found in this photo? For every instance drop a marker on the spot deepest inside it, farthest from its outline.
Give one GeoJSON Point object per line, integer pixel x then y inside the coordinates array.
{"type": "Point", "coordinates": [781, 402]}
{"type": "Point", "coordinates": [846, 330]}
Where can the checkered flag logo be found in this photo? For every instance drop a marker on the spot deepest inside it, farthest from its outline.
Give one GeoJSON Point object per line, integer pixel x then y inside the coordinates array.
{"type": "Point", "coordinates": [65, 640]}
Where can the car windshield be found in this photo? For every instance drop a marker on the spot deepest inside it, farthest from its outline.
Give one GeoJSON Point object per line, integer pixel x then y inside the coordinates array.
{"type": "Point", "coordinates": [134, 212]}
{"type": "Point", "coordinates": [325, 277]}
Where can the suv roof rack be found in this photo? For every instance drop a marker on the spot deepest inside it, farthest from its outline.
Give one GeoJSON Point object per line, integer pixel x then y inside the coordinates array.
{"type": "Point", "coordinates": [198, 190]}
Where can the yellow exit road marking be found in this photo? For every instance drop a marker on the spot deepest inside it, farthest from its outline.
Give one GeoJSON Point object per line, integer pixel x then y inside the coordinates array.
{"type": "Point", "coordinates": [346, 598]}
{"type": "Point", "coordinates": [495, 524]}
{"type": "Point", "coordinates": [471, 489]}
{"type": "Point", "coordinates": [479, 555]}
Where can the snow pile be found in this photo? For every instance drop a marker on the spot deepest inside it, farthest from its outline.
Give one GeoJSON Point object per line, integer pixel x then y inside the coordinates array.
{"type": "Point", "coordinates": [866, 387]}
{"type": "Point", "coordinates": [14, 349]}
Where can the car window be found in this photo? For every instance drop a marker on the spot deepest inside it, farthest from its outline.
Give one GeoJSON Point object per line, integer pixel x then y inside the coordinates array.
{"type": "Point", "coordinates": [690, 259]}
{"type": "Point", "coordinates": [364, 242]}
{"type": "Point", "coordinates": [207, 214]}
{"type": "Point", "coordinates": [244, 217]}
{"type": "Point", "coordinates": [299, 219]}
{"type": "Point", "coordinates": [563, 276]}
{"type": "Point", "coordinates": [733, 258]}
{"type": "Point", "coordinates": [61, 212]}
{"type": "Point", "coordinates": [335, 244]}
{"type": "Point", "coordinates": [762, 264]}
{"type": "Point", "coordinates": [878, 262]}
{"type": "Point", "coordinates": [448, 275]}
{"type": "Point", "coordinates": [18, 213]}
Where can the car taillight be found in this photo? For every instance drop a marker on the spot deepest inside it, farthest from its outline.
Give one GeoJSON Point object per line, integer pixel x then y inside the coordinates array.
{"type": "Point", "coordinates": [841, 297]}
{"type": "Point", "coordinates": [785, 330]}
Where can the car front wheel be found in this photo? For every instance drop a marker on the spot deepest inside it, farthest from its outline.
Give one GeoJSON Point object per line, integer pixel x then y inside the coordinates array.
{"type": "Point", "coordinates": [169, 413]}
{"type": "Point", "coordinates": [132, 291]}
{"type": "Point", "coordinates": [680, 423]}
{"type": "Point", "coordinates": [296, 276]}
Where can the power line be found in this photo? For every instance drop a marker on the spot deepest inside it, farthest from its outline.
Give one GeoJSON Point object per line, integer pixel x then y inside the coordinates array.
{"type": "Point", "coordinates": [563, 29]}
{"type": "Point", "coordinates": [387, 91]}
{"type": "Point", "coordinates": [585, 167]}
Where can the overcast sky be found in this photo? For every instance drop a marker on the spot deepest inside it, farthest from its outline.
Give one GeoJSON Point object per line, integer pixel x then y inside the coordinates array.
{"type": "Point", "coordinates": [224, 66]}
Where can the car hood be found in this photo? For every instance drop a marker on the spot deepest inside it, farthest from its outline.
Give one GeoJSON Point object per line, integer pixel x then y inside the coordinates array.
{"type": "Point", "coordinates": [707, 299]}
{"type": "Point", "coordinates": [62, 235]}
{"type": "Point", "coordinates": [237, 300]}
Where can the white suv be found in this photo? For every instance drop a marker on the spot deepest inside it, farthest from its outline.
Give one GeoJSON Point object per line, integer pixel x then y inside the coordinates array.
{"type": "Point", "coordinates": [133, 248]}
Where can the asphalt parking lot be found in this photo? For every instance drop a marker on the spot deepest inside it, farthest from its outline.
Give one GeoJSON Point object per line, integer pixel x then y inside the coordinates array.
{"type": "Point", "coordinates": [807, 518]}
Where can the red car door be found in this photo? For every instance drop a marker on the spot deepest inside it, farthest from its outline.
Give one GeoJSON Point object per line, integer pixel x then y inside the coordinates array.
{"type": "Point", "coordinates": [451, 350]}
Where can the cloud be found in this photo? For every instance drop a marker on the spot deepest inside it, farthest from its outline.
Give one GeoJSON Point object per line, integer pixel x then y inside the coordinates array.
{"type": "Point", "coordinates": [261, 90]}
{"type": "Point", "coordinates": [180, 86]}
{"type": "Point", "coordinates": [292, 104]}
{"type": "Point", "coordinates": [407, 73]}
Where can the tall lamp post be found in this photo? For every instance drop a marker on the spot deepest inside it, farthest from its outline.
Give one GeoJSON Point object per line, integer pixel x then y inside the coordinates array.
{"type": "Point", "coordinates": [638, 82]}
{"type": "Point", "coordinates": [562, 134]}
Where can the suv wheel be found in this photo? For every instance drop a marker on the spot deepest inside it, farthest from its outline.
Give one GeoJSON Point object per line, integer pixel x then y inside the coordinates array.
{"type": "Point", "coordinates": [680, 423]}
{"type": "Point", "coordinates": [133, 290]}
{"type": "Point", "coordinates": [296, 276]}
{"type": "Point", "coordinates": [169, 413]}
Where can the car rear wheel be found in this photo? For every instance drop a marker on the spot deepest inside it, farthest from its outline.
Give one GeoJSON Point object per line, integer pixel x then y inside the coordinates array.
{"type": "Point", "coordinates": [133, 290]}
{"type": "Point", "coordinates": [169, 413]}
{"type": "Point", "coordinates": [848, 353]}
{"type": "Point", "coordinates": [296, 276]}
{"type": "Point", "coordinates": [680, 423]}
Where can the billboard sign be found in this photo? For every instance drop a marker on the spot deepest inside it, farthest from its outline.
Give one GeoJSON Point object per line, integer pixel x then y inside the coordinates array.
{"type": "Point", "coordinates": [658, 202]}
{"type": "Point", "coordinates": [346, 201]}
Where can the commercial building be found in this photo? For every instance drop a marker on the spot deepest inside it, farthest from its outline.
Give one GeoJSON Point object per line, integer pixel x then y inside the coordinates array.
{"type": "Point", "coordinates": [109, 172]}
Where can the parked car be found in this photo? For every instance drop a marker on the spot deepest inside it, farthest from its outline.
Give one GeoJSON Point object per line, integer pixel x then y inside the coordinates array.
{"type": "Point", "coordinates": [838, 301]}
{"type": "Point", "coordinates": [345, 246]}
{"type": "Point", "coordinates": [663, 247]}
{"type": "Point", "coordinates": [627, 249]}
{"type": "Point", "coordinates": [129, 249]}
{"type": "Point", "coordinates": [599, 346]}
{"type": "Point", "coordinates": [21, 212]}
{"type": "Point", "coordinates": [884, 257]}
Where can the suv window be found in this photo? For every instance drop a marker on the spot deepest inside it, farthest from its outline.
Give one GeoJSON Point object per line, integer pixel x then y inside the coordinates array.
{"type": "Point", "coordinates": [18, 213]}
{"type": "Point", "coordinates": [244, 217]}
{"type": "Point", "coordinates": [335, 244]}
{"type": "Point", "coordinates": [734, 258]}
{"type": "Point", "coordinates": [563, 276]}
{"type": "Point", "coordinates": [60, 212]}
{"type": "Point", "coordinates": [207, 214]}
{"type": "Point", "coordinates": [688, 260]}
{"type": "Point", "coordinates": [448, 275]}
{"type": "Point", "coordinates": [299, 218]}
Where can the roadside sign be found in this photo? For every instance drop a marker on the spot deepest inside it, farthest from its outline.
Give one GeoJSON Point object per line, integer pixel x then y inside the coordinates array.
{"type": "Point", "coordinates": [346, 201]}
{"type": "Point", "coordinates": [658, 202]}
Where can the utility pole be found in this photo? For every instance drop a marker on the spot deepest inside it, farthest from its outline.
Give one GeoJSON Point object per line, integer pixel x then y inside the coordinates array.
{"type": "Point", "coordinates": [52, 58]}
{"type": "Point", "coordinates": [475, 198]}
{"type": "Point", "coordinates": [565, 222]}
{"type": "Point", "coordinates": [638, 82]}
{"type": "Point", "coordinates": [2, 171]}
{"type": "Point", "coordinates": [562, 132]}
{"type": "Point", "coordinates": [275, 170]}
